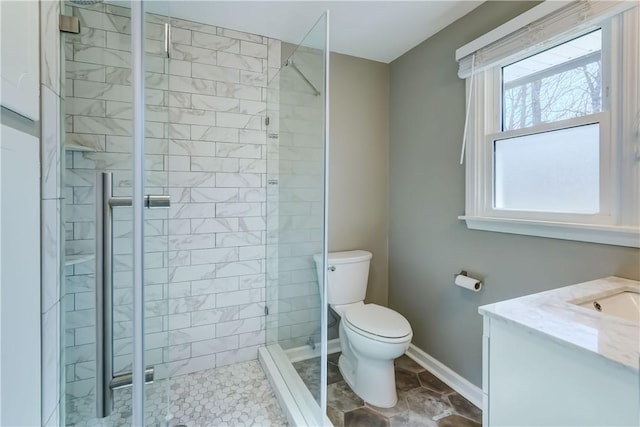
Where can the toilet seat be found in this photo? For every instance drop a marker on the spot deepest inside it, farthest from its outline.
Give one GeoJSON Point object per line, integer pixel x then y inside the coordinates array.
{"type": "Point", "coordinates": [378, 323]}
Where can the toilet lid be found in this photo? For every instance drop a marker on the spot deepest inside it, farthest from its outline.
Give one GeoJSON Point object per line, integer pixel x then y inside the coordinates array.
{"type": "Point", "coordinates": [378, 320]}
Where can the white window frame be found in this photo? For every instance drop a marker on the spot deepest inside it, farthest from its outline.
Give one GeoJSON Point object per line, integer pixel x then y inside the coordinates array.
{"type": "Point", "coordinates": [617, 222]}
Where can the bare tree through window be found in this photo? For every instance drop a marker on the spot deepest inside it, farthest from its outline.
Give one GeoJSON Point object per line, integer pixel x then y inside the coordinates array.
{"type": "Point", "coordinates": [561, 83]}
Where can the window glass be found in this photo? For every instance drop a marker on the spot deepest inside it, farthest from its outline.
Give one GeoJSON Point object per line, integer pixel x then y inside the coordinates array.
{"type": "Point", "coordinates": [555, 171]}
{"type": "Point", "coordinates": [560, 83]}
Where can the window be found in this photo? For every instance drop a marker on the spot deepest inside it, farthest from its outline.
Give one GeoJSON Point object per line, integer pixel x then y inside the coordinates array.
{"type": "Point", "coordinates": [560, 83]}
{"type": "Point", "coordinates": [552, 168]}
{"type": "Point", "coordinates": [553, 134]}
{"type": "Point", "coordinates": [552, 171]}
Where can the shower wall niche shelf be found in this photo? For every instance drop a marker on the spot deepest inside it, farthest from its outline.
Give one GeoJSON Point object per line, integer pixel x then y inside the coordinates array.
{"type": "Point", "coordinates": [77, 259]}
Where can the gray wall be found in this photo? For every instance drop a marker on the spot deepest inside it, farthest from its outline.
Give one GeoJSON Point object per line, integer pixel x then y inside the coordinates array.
{"type": "Point", "coordinates": [359, 164]}
{"type": "Point", "coordinates": [428, 244]}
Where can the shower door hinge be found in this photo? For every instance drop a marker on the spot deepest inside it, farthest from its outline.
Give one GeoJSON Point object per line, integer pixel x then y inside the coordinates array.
{"type": "Point", "coordinates": [266, 121]}
{"type": "Point", "coordinates": [266, 310]}
{"type": "Point", "coordinates": [69, 24]}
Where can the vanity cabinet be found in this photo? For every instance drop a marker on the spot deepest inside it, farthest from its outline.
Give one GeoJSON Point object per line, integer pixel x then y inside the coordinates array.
{"type": "Point", "coordinates": [530, 379]}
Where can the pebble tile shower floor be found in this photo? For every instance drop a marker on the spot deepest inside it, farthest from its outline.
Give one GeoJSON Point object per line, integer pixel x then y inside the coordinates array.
{"type": "Point", "coordinates": [423, 400]}
{"type": "Point", "coordinates": [236, 395]}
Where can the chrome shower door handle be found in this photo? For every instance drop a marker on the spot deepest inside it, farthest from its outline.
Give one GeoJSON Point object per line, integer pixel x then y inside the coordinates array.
{"type": "Point", "coordinates": [105, 380]}
{"type": "Point", "coordinates": [157, 201]}
{"type": "Point", "coordinates": [104, 304]}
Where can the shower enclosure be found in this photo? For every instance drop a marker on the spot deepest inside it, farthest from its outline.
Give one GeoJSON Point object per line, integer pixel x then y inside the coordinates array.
{"type": "Point", "coordinates": [297, 100]}
{"type": "Point", "coordinates": [197, 252]}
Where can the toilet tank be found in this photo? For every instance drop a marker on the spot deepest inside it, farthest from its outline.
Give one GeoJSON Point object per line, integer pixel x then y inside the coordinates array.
{"type": "Point", "coordinates": [348, 273]}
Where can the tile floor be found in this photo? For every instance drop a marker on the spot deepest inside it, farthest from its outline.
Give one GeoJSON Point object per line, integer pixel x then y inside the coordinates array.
{"type": "Point", "coordinates": [235, 395]}
{"type": "Point", "coordinates": [423, 400]}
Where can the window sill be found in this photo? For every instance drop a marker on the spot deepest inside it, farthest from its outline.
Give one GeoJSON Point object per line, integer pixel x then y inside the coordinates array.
{"type": "Point", "coordinates": [608, 235]}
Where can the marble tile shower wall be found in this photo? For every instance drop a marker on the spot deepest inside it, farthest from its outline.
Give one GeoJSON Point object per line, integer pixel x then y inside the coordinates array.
{"type": "Point", "coordinates": [205, 277]}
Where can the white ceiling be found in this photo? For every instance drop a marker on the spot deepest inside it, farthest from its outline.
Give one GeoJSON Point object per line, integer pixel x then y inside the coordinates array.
{"type": "Point", "coordinates": [376, 30]}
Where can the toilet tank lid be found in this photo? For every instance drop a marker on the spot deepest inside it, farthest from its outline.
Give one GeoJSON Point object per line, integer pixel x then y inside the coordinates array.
{"type": "Point", "coordinates": [345, 257]}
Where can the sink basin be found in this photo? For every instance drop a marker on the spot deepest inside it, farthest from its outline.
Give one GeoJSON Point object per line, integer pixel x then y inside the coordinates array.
{"type": "Point", "coordinates": [624, 304]}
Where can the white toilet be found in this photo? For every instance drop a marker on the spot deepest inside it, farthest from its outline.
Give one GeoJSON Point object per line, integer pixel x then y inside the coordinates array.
{"type": "Point", "coordinates": [371, 336]}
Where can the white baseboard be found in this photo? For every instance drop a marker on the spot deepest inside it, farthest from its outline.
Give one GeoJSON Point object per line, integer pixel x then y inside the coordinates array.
{"type": "Point", "coordinates": [305, 352]}
{"type": "Point", "coordinates": [454, 380]}
{"type": "Point", "coordinates": [333, 346]}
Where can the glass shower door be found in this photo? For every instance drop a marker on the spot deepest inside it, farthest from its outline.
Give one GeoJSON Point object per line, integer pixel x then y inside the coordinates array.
{"type": "Point", "coordinates": [99, 317]}
{"type": "Point", "coordinates": [296, 221]}
{"type": "Point", "coordinates": [157, 348]}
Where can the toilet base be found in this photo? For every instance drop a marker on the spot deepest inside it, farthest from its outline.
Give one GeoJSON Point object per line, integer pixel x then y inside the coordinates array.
{"type": "Point", "coordinates": [374, 381]}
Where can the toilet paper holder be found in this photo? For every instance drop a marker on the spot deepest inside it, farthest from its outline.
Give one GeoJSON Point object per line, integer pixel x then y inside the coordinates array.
{"type": "Point", "coordinates": [467, 282]}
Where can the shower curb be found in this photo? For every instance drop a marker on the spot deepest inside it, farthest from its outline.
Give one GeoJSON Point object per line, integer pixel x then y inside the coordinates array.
{"type": "Point", "coordinates": [278, 385]}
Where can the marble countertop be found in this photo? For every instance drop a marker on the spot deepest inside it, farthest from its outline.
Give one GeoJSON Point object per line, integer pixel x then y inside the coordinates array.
{"type": "Point", "coordinates": [554, 313]}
